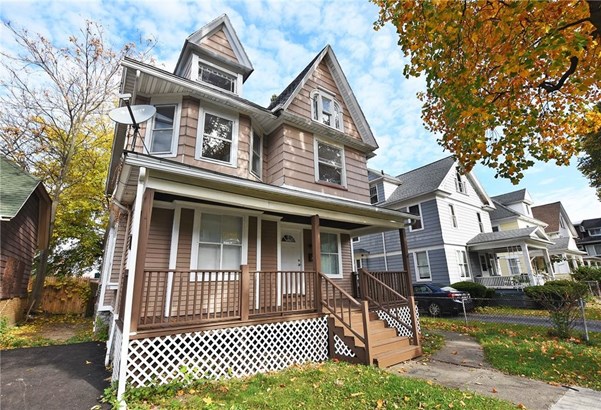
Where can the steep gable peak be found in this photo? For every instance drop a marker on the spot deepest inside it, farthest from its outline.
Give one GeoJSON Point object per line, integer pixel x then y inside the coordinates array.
{"type": "Point", "coordinates": [218, 43]}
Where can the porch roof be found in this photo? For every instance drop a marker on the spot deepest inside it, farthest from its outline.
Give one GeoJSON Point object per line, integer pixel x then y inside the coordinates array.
{"type": "Point", "coordinates": [185, 180]}
{"type": "Point", "coordinates": [561, 245]}
{"type": "Point", "coordinates": [533, 236]}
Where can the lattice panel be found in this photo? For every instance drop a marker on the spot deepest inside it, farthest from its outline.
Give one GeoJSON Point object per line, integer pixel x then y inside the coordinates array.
{"type": "Point", "coordinates": [116, 347]}
{"type": "Point", "coordinates": [230, 352]}
{"type": "Point", "coordinates": [341, 348]}
{"type": "Point", "coordinates": [405, 315]}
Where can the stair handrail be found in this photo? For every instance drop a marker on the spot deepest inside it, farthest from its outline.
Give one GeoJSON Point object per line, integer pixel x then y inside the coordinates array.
{"type": "Point", "coordinates": [364, 275]}
{"type": "Point", "coordinates": [364, 338]}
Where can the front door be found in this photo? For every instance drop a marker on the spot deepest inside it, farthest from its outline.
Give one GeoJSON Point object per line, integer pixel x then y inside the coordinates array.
{"type": "Point", "coordinates": [292, 280]}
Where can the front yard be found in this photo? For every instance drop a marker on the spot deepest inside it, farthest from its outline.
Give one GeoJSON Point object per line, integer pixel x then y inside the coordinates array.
{"type": "Point", "coordinates": [529, 351]}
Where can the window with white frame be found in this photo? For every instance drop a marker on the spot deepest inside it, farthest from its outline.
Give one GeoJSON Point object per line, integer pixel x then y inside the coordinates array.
{"type": "Point", "coordinates": [325, 109]}
{"type": "Point", "coordinates": [356, 239]}
{"type": "Point", "coordinates": [460, 183]}
{"type": "Point", "coordinates": [330, 254]}
{"type": "Point", "coordinates": [480, 224]}
{"type": "Point", "coordinates": [218, 138]}
{"type": "Point", "coordinates": [417, 211]}
{"type": "Point", "coordinates": [453, 216]}
{"type": "Point", "coordinates": [593, 250]}
{"type": "Point", "coordinates": [257, 151]}
{"type": "Point", "coordinates": [514, 266]}
{"type": "Point", "coordinates": [219, 242]}
{"type": "Point", "coordinates": [217, 78]}
{"type": "Point", "coordinates": [163, 130]}
{"type": "Point", "coordinates": [462, 262]}
{"type": "Point", "coordinates": [422, 265]}
{"type": "Point", "coordinates": [373, 194]}
{"type": "Point", "coordinates": [594, 232]}
{"type": "Point", "coordinates": [329, 163]}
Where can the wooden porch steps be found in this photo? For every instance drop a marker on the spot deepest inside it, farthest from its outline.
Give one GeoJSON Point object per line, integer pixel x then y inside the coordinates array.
{"type": "Point", "coordinates": [387, 349]}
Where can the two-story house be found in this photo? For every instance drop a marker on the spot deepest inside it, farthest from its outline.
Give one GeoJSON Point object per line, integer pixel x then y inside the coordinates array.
{"type": "Point", "coordinates": [565, 255]}
{"type": "Point", "coordinates": [589, 240]}
{"type": "Point", "coordinates": [229, 249]}
{"type": "Point", "coordinates": [453, 207]}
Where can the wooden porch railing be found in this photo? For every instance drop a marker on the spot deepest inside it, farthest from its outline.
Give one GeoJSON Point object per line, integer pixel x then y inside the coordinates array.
{"type": "Point", "coordinates": [382, 296]}
{"type": "Point", "coordinates": [342, 306]}
{"type": "Point", "coordinates": [182, 297]}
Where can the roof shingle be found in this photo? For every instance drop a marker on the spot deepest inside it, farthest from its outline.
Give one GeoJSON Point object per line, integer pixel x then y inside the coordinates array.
{"type": "Point", "coordinates": [16, 186]}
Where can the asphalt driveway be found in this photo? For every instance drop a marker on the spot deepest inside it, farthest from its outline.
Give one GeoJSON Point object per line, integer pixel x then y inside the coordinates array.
{"type": "Point", "coordinates": [54, 377]}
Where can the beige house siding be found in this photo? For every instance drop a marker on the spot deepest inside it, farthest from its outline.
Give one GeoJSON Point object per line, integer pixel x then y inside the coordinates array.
{"type": "Point", "coordinates": [184, 246]}
{"type": "Point", "coordinates": [347, 265]}
{"type": "Point", "coordinates": [322, 78]}
{"type": "Point", "coordinates": [299, 167]}
{"type": "Point", "coordinates": [219, 44]}
{"type": "Point", "coordinates": [274, 157]}
{"type": "Point", "coordinates": [269, 246]}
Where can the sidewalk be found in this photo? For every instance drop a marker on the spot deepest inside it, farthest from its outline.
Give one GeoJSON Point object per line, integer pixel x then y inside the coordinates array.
{"type": "Point", "coordinates": [460, 364]}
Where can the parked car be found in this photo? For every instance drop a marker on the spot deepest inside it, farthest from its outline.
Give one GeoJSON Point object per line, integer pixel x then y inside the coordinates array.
{"type": "Point", "coordinates": [438, 300]}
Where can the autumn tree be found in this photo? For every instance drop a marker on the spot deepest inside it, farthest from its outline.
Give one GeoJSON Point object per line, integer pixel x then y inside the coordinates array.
{"type": "Point", "coordinates": [53, 104]}
{"type": "Point", "coordinates": [590, 161]}
{"type": "Point", "coordinates": [507, 81]}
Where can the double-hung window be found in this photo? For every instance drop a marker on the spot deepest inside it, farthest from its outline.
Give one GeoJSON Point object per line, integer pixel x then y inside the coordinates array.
{"type": "Point", "coordinates": [480, 223]}
{"type": "Point", "coordinates": [257, 149]}
{"type": "Point", "coordinates": [219, 242]}
{"type": "Point", "coordinates": [325, 109]}
{"type": "Point", "coordinates": [514, 266]}
{"type": "Point", "coordinates": [462, 262]}
{"type": "Point", "coordinates": [218, 138]}
{"type": "Point", "coordinates": [329, 163]}
{"type": "Point", "coordinates": [373, 194]}
{"type": "Point", "coordinates": [330, 254]}
{"type": "Point", "coordinates": [163, 130]}
{"type": "Point", "coordinates": [415, 224]}
{"type": "Point", "coordinates": [217, 78]}
{"type": "Point", "coordinates": [453, 216]}
{"type": "Point", "coordinates": [594, 232]}
{"type": "Point", "coordinates": [422, 265]}
{"type": "Point", "coordinates": [460, 184]}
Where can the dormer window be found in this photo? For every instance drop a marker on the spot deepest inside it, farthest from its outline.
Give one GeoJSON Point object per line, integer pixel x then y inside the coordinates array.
{"type": "Point", "coordinates": [460, 183]}
{"type": "Point", "coordinates": [217, 78]}
{"type": "Point", "coordinates": [373, 194]}
{"type": "Point", "coordinates": [325, 109]}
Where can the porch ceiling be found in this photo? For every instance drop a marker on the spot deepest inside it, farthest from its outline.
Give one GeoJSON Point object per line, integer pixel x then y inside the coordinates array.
{"type": "Point", "coordinates": [190, 182]}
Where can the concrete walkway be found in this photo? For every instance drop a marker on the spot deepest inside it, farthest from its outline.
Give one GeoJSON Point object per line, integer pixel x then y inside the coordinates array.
{"type": "Point", "coordinates": [460, 364]}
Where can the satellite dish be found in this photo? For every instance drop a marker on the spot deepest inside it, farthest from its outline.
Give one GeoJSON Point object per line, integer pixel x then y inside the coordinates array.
{"type": "Point", "coordinates": [132, 115]}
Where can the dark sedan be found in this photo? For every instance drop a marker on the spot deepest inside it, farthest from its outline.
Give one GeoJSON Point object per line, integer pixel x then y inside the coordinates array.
{"type": "Point", "coordinates": [439, 300]}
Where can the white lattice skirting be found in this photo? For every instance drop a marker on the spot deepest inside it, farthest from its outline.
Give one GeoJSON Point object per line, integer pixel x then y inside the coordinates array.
{"type": "Point", "coordinates": [342, 348]}
{"type": "Point", "coordinates": [405, 314]}
{"type": "Point", "coordinates": [229, 352]}
{"type": "Point", "coordinates": [116, 351]}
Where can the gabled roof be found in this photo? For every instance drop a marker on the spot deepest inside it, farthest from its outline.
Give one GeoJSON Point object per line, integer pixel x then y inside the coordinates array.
{"type": "Point", "coordinates": [504, 212]}
{"type": "Point", "coordinates": [531, 232]}
{"type": "Point", "coordinates": [194, 42]}
{"type": "Point", "coordinates": [551, 215]}
{"type": "Point", "coordinates": [562, 244]}
{"type": "Point", "coordinates": [591, 223]}
{"type": "Point", "coordinates": [16, 186]}
{"type": "Point", "coordinates": [374, 175]}
{"type": "Point", "coordinates": [282, 101]}
{"type": "Point", "coordinates": [521, 195]}
{"type": "Point", "coordinates": [421, 180]}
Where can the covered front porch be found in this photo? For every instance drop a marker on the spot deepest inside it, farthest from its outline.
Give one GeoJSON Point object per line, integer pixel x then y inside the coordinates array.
{"type": "Point", "coordinates": [512, 259]}
{"type": "Point", "coordinates": [263, 276]}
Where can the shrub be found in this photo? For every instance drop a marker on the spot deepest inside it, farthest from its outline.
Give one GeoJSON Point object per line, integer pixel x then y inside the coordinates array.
{"type": "Point", "coordinates": [475, 290]}
{"type": "Point", "coordinates": [586, 273]}
{"type": "Point", "coordinates": [490, 293]}
{"type": "Point", "coordinates": [562, 299]}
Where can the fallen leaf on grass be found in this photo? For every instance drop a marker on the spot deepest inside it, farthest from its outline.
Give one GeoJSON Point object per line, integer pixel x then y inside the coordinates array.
{"type": "Point", "coordinates": [379, 404]}
{"type": "Point", "coordinates": [357, 394]}
{"type": "Point", "coordinates": [208, 401]}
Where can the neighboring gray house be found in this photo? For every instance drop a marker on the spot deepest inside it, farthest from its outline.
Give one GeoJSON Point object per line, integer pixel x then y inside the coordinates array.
{"type": "Point", "coordinates": [454, 209]}
{"type": "Point", "coordinates": [589, 240]}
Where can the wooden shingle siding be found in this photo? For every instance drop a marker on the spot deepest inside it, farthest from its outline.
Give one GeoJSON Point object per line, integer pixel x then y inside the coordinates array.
{"type": "Point", "coordinates": [269, 246]}
{"type": "Point", "coordinates": [159, 239]}
{"type": "Point", "coordinates": [274, 157]}
{"type": "Point", "coordinates": [299, 167]}
{"type": "Point", "coordinates": [18, 241]}
{"type": "Point", "coordinates": [219, 44]}
{"type": "Point", "coordinates": [119, 258]}
{"type": "Point", "coordinates": [322, 78]}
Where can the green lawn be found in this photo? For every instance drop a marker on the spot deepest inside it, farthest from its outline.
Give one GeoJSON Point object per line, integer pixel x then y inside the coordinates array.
{"type": "Point", "coordinates": [592, 311]}
{"type": "Point", "coordinates": [529, 351]}
{"type": "Point", "coordinates": [327, 385]}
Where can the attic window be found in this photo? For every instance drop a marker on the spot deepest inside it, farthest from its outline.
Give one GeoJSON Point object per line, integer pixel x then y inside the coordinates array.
{"type": "Point", "coordinates": [460, 183]}
{"type": "Point", "coordinates": [373, 194]}
{"type": "Point", "coordinates": [216, 77]}
{"type": "Point", "coordinates": [325, 109]}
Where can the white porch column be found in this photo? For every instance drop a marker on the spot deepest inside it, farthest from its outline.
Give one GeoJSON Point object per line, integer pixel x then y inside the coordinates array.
{"type": "Point", "coordinates": [528, 263]}
{"type": "Point", "coordinates": [548, 262]}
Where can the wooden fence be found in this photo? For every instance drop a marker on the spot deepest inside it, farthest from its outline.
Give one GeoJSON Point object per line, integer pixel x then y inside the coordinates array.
{"type": "Point", "coordinates": [68, 296]}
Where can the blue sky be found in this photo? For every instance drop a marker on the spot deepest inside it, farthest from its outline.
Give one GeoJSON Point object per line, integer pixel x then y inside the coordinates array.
{"type": "Point", "coordinates": [281, 37]}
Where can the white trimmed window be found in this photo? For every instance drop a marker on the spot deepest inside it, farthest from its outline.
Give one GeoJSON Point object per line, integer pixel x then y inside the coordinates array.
{"type": "Point", "coordinates": [163, 130]}
{"type": "Point", "coordinates": [329, 163]}
{"type": "Point", "coordinates": [330, 254]}
{"type": "Point", "coordinates": [325, 109]}
{"type": "Point", "coordinates": [217, 78]}
{"type": "Point", "coordinates": [462, 262]}
{"type": "Point", "coordinates": [453, 216]}
{"type": "Point", "coordinates": [514, 266]}
{"type": "Point", "coordinates": [422, 266]}
{"type": "Point", "coordinates": [373, 194]}
{"type": "Point", "coordinates": [218, 136]}
{"type": "Point", "coordinates": [480, 224]}
{"type": "Point", "coordinates": [219, 242]}
{"type": "Point", "coordinates": [417, 211]}
{"type": "Point", "coordinates": [594, 232]}
{"type": "Point", "coordinates": [460, 183]}
{"type": "Point", "coordinates": [593, 250]}
{"type": "Point", "coordinates": [257, 154]}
